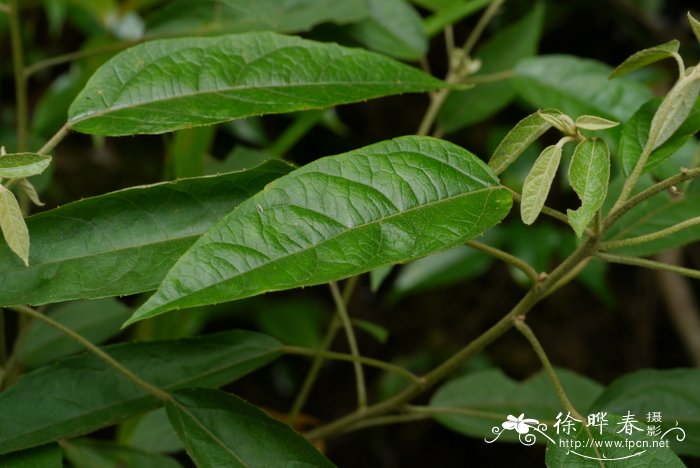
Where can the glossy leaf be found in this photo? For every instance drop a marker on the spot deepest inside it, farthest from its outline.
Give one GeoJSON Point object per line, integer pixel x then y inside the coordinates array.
{"type": "Point", "coordinates": [14, 166]}
{"type": "Point", "coordinates": [14, 228]}
{"type": "Point", "coordinates": [95, 320]}
{"type": "Point", "coordinates": [635, 133]}
{"type": "Point", "coordinates": [394, 28]}
{"type": "Point", "coordinates": [237, 16]}
{"type": "Point", "coordinates": [609, 448]}
{"type": "Point", "coordinates": [659, 212]}
{"type": "Point", "coordinates": [86, 453]}
{"type": "Point", "coordinates": [645, 57]}
{"type": "Point", "coordinates": [518, 139]}
{"type": "Point", "coordinates": [220, 429]}
{"type": "Point", "coordinates": [538, 182]}
{"type": "Point", "coordinates": [695, 26]}
{"type": "Point", "coordinates": [151, 433]}
{"type": "Point", "coordinates": [486, 398]}
{"type": "Point", "coordinates": [46, 456]}
{"type": "Point", "coordinates": [498, 54]}
{"type": "Point", "coordinates": [74, 396]}
{"type": "Point", "coordinates": [673, 393]}
{"type": "Point", "coordinates": [674, 109]}
{"type": "Point", "coordinates": [122, 242]}
{"type": "Point", "coordinates": [578, 86]}
{"type": "Point", "coordinates": [166, 85]}
{"type": "Point", "coordinates": [589, 174]}
{"type": "Point", "coordinates": [336, 217]}
{"type": "Point", "coordinates": [592, 122]}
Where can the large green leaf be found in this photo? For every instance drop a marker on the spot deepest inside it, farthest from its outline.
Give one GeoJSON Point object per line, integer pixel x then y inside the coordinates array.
{"type": "Point", "coordinates": [393, 28]}
{"type": "Point", "coordinates": [219, 429]}
{"type": "Point", "coordinates": [86, 453]}
{"type": "Point", "coordinates": [498, 54]}
{"type": "Point", "coordinates": [672, 393]}
{"type": "Point", "coordinates": [339, 216]}
{"type": "Point", "coordinates": [578, 86]}
{"type": "Point", "coordinates": [635, 133]}
{"type": "Point", "coordinates": [237, 16]}
{"type": "Point", "coordinates": [171, 84]}
{"type": "Point", "coordinates": [475, 403]}
{"type": "Point", "coordinates": [95, 320]}
{"type": "Point", "coordinates": [74, 396]}
{"type": "Point", "coordinates": [122, 242]}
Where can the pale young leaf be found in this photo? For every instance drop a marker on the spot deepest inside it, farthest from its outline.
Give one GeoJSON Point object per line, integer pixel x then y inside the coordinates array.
{"type": "Point", "coordinates": [16, 165]}
{"type": "Point", "coordinates": [674, 109]}
{"type": "Point", "coordinates": [695, 25]}
{"type": "Point", "coordinates": [30, 191]}
{"type": "Point", "coordinates": [538, 182]}
{"type": "Point", "coordinates": [645, 57]}
{"type": "Point", "coordinates": [589, 174]}
{"type": "Point", "coordinates": [14, 229]}
{"type": "Point", "coordinates": [592, 122]}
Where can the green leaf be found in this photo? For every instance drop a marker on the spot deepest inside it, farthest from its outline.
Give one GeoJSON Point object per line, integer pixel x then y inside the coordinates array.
{"type": "Point", "coordinates": [375, 330]}
{"type": "Point", "coordinates": [294, 322]}
{"type": "Point", "coordinates": [336, 217]}
{"type": "Point", "coordinates": [592, 122]}
{"type": "Point", "coordinates": [578, 86]}
{"type": "Point", "coordinates": [654, 214]}
{"type": "Point", "coordinates": [14, 228]}
{"type": "Point", "coordinates": [518, 139]}
{"type": "Point", "coordinates": [476, 402]}
{"type": "Point", "coordinates": [86, 453]}
{"type": "Point", "coordinates": [498, 54]}
{"type": "Point", "coordinates": [46, 456]}
{"type": "Point", "coordinates": [695, 25]}
{"type": "Point", "coordinates": [674, 109]}
{"type": "Point", "coordinates": [448, 12]}
{"type": "Point", "coordinates": [74, 396]}
{"type": "Point", "coordinates": [393, 28]}
{"type": "Point", "coordinates": [538, 182]}
{"type": "Point", "coordinates": [645, 57]}
{"type": "Point", "coordinates": [188, 149]}
{"type": "Point", "coordinates": [577, 450]}
{"type": "Point", "coordinates": [589, 174]}
{"type": "Point", "coordinates": [95, 320]}
{"type": "Point", "coordinates": [166, 85]}
{"type": "Point", "coordinates": [236, 16]}
{"type": "Point", "coordinates": [220, 429]}
{"type": "Point", "coordinates": [673, 393]}
{"type": "Point", "coordinates": [635, 133]}
{"type": "Point", "coordinates": [151, 433]}
{"type": "Point", "coordinates": [14, 166]}
{"type": "Point", "coordinates": [122, 242]}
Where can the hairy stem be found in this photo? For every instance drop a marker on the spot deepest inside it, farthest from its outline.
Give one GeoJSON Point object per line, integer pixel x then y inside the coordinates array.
{"type": "Point", "coordinates": [106, 358]}
{"type": "Point", "coordinates": [646, 263]}
{"type": "Point", "coordinates": [478, 30]}
{"type": "Point", "coordinates": [506, 257]}
{"type": "Point", "coordinates": [650, 237]}
{"type": "Point", "coordinates": [54, 140]}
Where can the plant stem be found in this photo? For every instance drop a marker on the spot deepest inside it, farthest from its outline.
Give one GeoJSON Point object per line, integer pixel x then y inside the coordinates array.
{"type": "Point", "coordinates": [77, 55]}
{"type": "Point", "coordinates": [351, 358]}
{"type": "Point", "coordinates": [294, 132]}
{"type": "Point", "coordinates": [352, 342]}
{"type": "Point", "coordinates": [436, 101]}
{"type": "Point", "coordinates": [18, 68]}
{"type": "Point", "coordinates": [106, 358]}
{"type": "Point", "coordinates": [551, 212]}
{"type": "Point", "coordinates": [506, 257]}
{"type": "Point", "coordinates": [490, 78]}
{"type": "Point", "coordinates": [542, 355]}
{"type": "Point", "coordinates": [646, 263]}
{"type": "Point", "coordinates": [481, 25]}
{"type": "Point", "coordinates": [650, 237]}
{"type": "Point", "coordinates": [55, 140]}
{"type": "Point", "coordinates": [391, 419]}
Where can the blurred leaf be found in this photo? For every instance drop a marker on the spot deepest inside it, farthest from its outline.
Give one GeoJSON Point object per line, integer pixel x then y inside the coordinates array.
{"type": "Point", "coordinates": [16, 165]}
{"type": "Point", "coordinates": [517, 239]}
{"type": "Point", "coordinates": [435, 5]}
{"type": "Point", "coordinates": [166, 85]}
{"type": "Point", "coordinates": [614, 449]}
{"type": "Point", "coordinates": [78, 395]}
{"type": "Point", "coordinates": [578, 86]}
{"type": "Point", "coordinates": [375, 330]}
{"type": "Point", "coordinates": [448, 12]}
{"type": "Point", "coordinates": [487, 397]}
{"type": "Point", "coordinates": [645, 57]}
{"type": "Point", "coordinates": [13, 226]}
{"type": "Point", "coordinates": [151, 433]}
{"type": "Point", "coordinates": [96, 321]}
{"type": "Point", "coordinates": [695, 25]}
{"type": "Point", "coordinates": [188, 149]}
{"type": "Point", "coordinates": [170, 327]}
{"type": "Point", "coordinates": [393, 27]}
{"type": "Point", "coordinates": [378, 275]}
{"type": "Point", "coordinates": [498, 54]}
{"type": "Point", "coordinates": [194, 17]}
{"type": "Point", "coordinates": [336, 217]}
{"type": "Point", "coordinates": [46, 456]}
{"type": "Point", "coordinates": [87, 453]}
{"type": "Point", "coordinates": [122, 242]}
{"type": "Point", "coordinates": [635, 133]}
{"type": "Point", "coordinates": [294, 322]}
{"type": "Point", "coordinates": [589, 174]}
{"type": "Point", "coordinates": [219, 429]}
{"type": "Point", "coordinates": [538, 182]}
{"type": "Point", "coordinates": [240, 158]}
{"type": "Point", "coordinates": [673, 393]}
{"type": "Point", "coordinates": [519, 139]}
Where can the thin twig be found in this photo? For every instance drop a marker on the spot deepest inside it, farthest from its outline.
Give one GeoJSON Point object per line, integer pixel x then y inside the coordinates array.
{"type": "Point", "coordinates": [55, 140]}
{"type": "Point", "coordinates": [478, 30]}
{"type": "Point", "coordinates": [646, 263]}
{"type": "Point", "coordinates": [506, 257]}
{"type": "Point", "coordinates": [616, 244]}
